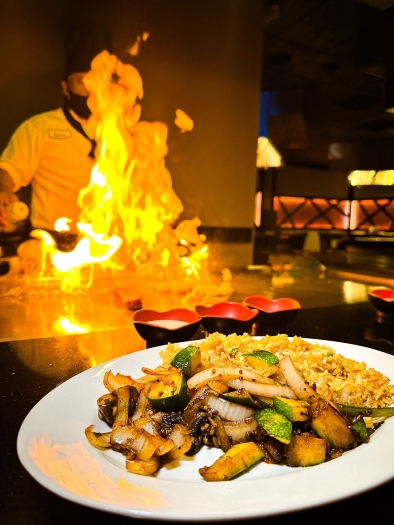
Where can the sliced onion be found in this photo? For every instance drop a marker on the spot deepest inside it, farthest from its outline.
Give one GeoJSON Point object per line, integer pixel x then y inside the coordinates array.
{"type": "Point", "coordinates": [141, 404]}
{"type": "Point", "coordinates": [182, 441]}
{"type": "Point", "coordinates": [237, 430]}
{"type": "Point", "coordinates": [134, 439]}
{"type": "Point", "coordinates": [143, 468]}
{"type": "Point", "coordinates": [261, 389]}
{"type": "Point", "coordinates": [148, 425]}
{"type": "Point", "coordinates": [228, 410]}
{"type": "Point", "coordinates": [297, 383]}
{"type": "Point", "coordinates": [97, 439]}
{"type": "Point", "coordinates": [225, 374]}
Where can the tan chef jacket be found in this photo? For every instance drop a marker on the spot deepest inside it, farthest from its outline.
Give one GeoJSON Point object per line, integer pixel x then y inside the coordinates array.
{"type": "Point", "coordinates": [48, 152]}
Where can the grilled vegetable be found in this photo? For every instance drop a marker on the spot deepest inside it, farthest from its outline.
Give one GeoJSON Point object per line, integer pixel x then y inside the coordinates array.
{"type": "Point", "coordinates": [97, 439]}
{"type": "Point", "coordinates": [127, 397]}
{"type": "Point", "coordinates": [295, 380]}
{"type": "Point", "coordinates": [169, 392]}
{"type": "Point", "coordinates": [275, 424]}
{"type": "Point", "coordinates": [353, 410]}
{"type": "Point", "coordinates": [242, 397]}
{"type": "Point", "coordinates": [188, 360]}
{"type": "Point", "coordinates": [237, 459]}
{"type": "Point", "coordinates": [239, 430]}
{"type": "Point", "coordinates": [229, 411]}
{"type": "Point", "coordinates": [226, 373]}
{"type": "Point", "coordinates": [292, 409]}
{"type": "Point", "coordinates": [271, 389]}
{"type": "Point", "coordinates": [261, 359]}
{"type": "Point", "coordinates": [305, 450]}
{"type": "Point", "coordinates": [107, 408]}
{"type": "Point", "coordinates": [329, 424]}
{"type": "Point", "coordinates": [361, 428]}
{"type": "Point", "coordinates": [143, 468]}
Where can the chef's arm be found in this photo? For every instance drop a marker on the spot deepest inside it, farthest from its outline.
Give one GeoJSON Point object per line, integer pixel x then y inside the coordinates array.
{"type": "Point", "coordinates": [7, 195]}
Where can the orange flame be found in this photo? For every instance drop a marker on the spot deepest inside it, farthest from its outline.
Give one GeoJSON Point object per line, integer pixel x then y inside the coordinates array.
{"type": "Point", "coordinates": [129, 206]}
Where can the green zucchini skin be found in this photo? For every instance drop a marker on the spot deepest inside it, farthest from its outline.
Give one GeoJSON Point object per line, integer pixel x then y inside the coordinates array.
{"type": "Point", "coordinates": [275, 424]}
{"type": "Point", "coordinates": [170, 397]}
{"type": "Point", "coordinates": [182, 359]}
{"type": "Point", "coordinates": [353, 410]}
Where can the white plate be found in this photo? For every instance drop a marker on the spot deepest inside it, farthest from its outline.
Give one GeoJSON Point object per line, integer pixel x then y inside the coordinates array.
{"type": "Point", "coordinates": [52, 447]}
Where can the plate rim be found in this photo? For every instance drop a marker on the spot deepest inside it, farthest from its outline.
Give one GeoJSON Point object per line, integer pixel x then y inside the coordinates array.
{"type": "Point", "coordinates": [217, 490]}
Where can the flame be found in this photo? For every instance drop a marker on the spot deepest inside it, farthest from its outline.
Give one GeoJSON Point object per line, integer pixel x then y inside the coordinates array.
{"type": "Point", "coordinates": [62, 225]}
{"type": "Point", "coordinates": [183, 121]}
{"type": "Point", "coordinates": [135, 47]}
{"type": "Point", "coordinates": [66, 326]}
{"type": "Point", "coordinates": [129, 206]}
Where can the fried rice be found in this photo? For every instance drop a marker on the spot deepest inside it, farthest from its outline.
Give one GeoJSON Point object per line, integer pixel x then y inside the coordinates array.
{"type": "Point", "coordinates": [333, 376]}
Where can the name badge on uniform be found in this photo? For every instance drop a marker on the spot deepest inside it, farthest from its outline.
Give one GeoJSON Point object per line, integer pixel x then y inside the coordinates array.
{"type": "Point", "coordinates": [59, 133]}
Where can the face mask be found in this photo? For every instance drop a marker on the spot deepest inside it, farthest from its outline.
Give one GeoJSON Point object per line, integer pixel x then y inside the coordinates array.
{"type": "Point", "coordinates": [79, 105]}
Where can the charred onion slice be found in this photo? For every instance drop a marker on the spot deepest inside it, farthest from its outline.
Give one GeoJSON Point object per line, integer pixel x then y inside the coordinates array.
{"type": "Point", "coordinates": [295, 380]}
{"type": "Point", "coordinates": [136, 440]}
{"type": "Point", "coordinates": [147, 424]}
{"type": "Point", "coordinates": [142, 403]}
{"type": "Point", "coordinates": [237, 430]}
{"type": "Point", "coordinates": [261, 389]}
{"type": "Point", "coordinates": [112, 382]}
{"type": "Point", "coordinates": [97, 439]}
{"type": "Point", "coordinates": [229, 411]}
{"type": "Point", "coordinates": [182, 440]}
{"type": "Point", "coordinates": [143, 468]}
{"type": "Point", "coordinates": [225, 374]}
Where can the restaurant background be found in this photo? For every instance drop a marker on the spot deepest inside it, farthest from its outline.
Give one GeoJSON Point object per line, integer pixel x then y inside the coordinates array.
{"type": "Point", "coordinates": [203, 57]}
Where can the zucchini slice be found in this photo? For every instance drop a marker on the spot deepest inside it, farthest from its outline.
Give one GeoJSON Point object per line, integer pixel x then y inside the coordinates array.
{"type": "Point", "coordinates": [275, 424]}
{"type": "Point", "coordinates": [305, 450]}
{"type": "Point", "coordinates": [261, 359]}
{"type": "Point", "coordinates": [353, 410]}
{"type": "Point", "coordinates": [292, 409]}
{"type": "Point", "coordinates": [237, 459]}
{"type": "Point", "coordinates": [169, 392]}
{"type": "Point", "coordinates": [188, 360]}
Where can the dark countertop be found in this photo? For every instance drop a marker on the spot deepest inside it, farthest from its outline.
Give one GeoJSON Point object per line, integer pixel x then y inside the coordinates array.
{"type": "Point", "coordinates": [31, 368]}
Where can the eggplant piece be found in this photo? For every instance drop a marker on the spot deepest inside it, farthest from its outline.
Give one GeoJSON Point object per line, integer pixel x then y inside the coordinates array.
{"type": "Point", "coordinates": [274, 449]}
{"type": "Point", "coordinates": [220, 435]}
{"type": "Point", "coordinates": [107, 408]}
{"type": "Point", "coordinates": [124, 400]}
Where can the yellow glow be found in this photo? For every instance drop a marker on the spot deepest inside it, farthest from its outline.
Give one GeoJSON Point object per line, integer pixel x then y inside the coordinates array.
{"type": "Point", "coordinates": [66, 326]}
{"type": "Point", "coordinates": [267, 154]}
{"type": "Point", "coordinates": [258, 200]}
{"type": "Point", "coordinates": [74, 469]}
{"type": "Point", "coordinates": [183, 121]}
{"type": "Point", "coordinates": [371, 177]}
{"type": "Point", "coordinates": [62, 225]}
{"type": "Point", "coordinates": [129, 206]}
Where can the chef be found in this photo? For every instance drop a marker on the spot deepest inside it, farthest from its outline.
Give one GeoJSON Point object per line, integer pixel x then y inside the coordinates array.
{"type": "Point", "coordinates": [54, 151]}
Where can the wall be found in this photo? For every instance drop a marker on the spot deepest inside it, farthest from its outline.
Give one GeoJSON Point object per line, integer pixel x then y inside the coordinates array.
{"type": "Point", "coordinates": [201, 56]}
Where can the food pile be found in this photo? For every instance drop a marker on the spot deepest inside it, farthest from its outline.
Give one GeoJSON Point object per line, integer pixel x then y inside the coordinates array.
{"type": "Point", "coordinates": [272, 399]}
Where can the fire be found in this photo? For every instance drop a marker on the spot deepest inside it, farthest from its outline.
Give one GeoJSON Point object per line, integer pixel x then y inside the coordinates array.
{"type": "Point", "coordinates": [129, 206]}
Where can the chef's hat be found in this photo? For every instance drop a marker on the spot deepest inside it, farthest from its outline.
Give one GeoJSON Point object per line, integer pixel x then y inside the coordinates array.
{"type": "Point", "coordinates": [85, 40]}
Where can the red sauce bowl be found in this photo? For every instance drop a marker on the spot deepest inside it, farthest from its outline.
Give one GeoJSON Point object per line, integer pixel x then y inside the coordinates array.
{"type": "Point", "coordinates": [226, 317]}
{"type": "Point", "coordinates": [382, 299]}
{"type": "Point", "coordinates": [273, 312]}
{"type": "Point", "coordinates": [171, 326]}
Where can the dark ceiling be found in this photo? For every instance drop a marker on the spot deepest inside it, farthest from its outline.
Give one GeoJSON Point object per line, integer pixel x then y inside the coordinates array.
{"type": "Point", "coordinates": [325, 73]}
